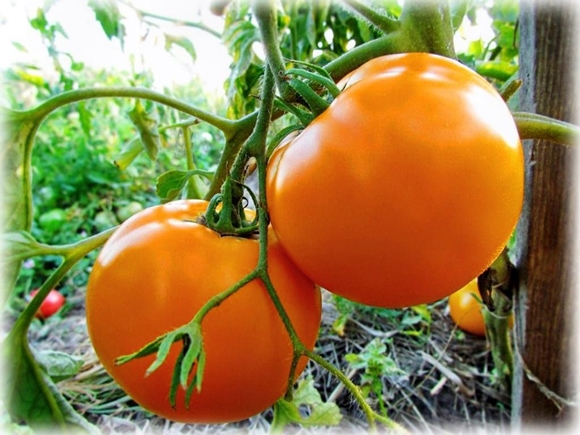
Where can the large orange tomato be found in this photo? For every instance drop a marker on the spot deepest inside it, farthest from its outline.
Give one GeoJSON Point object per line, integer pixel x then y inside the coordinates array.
{"type": "Point", "coordinates": [406, 188]}
{"type": "Point", "coordinates": [465, 309]}
{"type": "Point", "coordinates": [152, 276]}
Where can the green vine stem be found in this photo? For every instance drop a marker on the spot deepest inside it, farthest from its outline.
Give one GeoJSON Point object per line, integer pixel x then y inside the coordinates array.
{"type": "Point", "coordinates": [266, 15]}
{"type": "Point", "coordinates": [428, 27]}
{"type": "Point", "coordinates": [193, 189]}
{"type": "Point", "coordinates": [228, 127]}
{"type": "Point", "coordinates": [497, 284]}
{"type": "Point", "coordinates": [383, 23]}
{"type": "Point", "coordinates": [71, 253]}
{"type": "Point", "coordinates": [534, 126]}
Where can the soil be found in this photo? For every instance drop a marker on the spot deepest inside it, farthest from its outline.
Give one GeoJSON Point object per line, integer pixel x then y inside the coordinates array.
{"type": "Point", "coordinates": [443, 379]}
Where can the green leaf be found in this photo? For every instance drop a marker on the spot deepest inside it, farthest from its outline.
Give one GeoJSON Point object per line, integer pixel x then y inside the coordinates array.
{"type": "Point", "coordinates": [86, 118]}
{"type": "Point", "coordinates": [18, 130]}
{"type": "Point", "coordinates": [163, 351]}
{"type": "Point", "coordinates": [59, 365]}
{"type": "Point", "coordinates": [306, 395]}
{"type": "Point", "coordinates": [498, 70]}
{"type": "Point", "coordinates": [198, 378]}
{"type": "Point", "coordinates": [180, 41]}
{"type": "Point", "coordinates": [423, 311]}
{"type": "Point", "coordinates": [20, 245]}
{"type": "Point", "coordinates": [20, 47]}
{"type": "Point", "coordinates": [192, 354]}
{"type": "Point", "coordinates": [170, 184]}
{"type": "Point", "coordinates": [147, 127]}
{"type": "Point", "coordinates": [108, 15]}
{"type": "Point", "coordinates": [31, 396]}
{"type": "Point", "coordinates": [129, 153]}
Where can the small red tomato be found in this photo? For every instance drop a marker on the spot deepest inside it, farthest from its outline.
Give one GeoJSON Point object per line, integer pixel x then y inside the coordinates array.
{"type": "Point", "coordinates": [51, 304]}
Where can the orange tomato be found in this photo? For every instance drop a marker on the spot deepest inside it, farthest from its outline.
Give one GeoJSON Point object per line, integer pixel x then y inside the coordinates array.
{"type": "Point", "coordinates": [406, 188]}
{"type": "Point", "coordinates": [154, 274]}
{"type": "Point", "coordinates": [465, 309]}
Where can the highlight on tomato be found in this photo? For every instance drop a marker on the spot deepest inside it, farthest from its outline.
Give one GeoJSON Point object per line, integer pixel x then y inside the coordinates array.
{"type": "Point", "coordinates": [406, 188]}
{"type": "Point", "coordinates": [152, 276]}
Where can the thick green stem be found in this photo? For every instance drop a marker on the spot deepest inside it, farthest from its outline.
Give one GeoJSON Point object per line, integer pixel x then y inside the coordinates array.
{"type": "Point", "coordinates": [72, 254]}
{"type": "Point", "coordinates": [498, 281]}
{"type": "Point", "coordinates": [383, 23]}
{"type": "Point", "coordinates": [427, 27]}
{"type": "Point", "coordinates": [354, 58]}
{"type": "Point", "coordinates": [256, 143]}
{"type": "Point", "coordinates": [192, 189]}
{"type": "Point", "coordinates": [533, 126]}
{"type": "Point", "coordinates": [266, 15]}
{"type": "Point", "coordinates": [498, 334]}
{"type": "Point", "coordinates": [243, 129]}
{"type": "Point", "coordinates": [228, 127]}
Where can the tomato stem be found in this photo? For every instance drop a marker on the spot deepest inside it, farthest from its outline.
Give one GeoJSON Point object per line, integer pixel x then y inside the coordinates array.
{"type": "Point", "coordinates": [500, 280]}
{"type": "Point", "coordinates": [72, 253]}
{"type": "Point", "coordinates": [427, 27]}
{"type": "Point", "coordinates": [382, 22]}
{"type": "Point", "coordinates": [534, 126]}
{"type": "Point", "coordinates": [371, 416]}
{"type": "Point", "coordinates": [266, 16]}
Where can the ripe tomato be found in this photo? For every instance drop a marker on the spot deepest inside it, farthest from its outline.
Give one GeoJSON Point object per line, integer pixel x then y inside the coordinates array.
{"type": "Point", "coordinates": [153, 275]}
{"type": "Point", "coordinates": [406, 188]}
{"type": "Point", "coordinates": [50, 305]}
{"type": "Point", "coordinates": [465, 309]}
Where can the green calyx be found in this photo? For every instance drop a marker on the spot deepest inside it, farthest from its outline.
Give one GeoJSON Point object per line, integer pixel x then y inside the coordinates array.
{"type": "Point", "coordinates": [230, 219]}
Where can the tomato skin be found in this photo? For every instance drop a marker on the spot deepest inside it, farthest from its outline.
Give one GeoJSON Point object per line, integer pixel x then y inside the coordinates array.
{"type": "Point", "coordinates": [465, 309]}
{"type": "Point", "coordinates": [50, 305]}
{"type": "Point", "coordinates": [406, 188]}
{"type": "Point", "coordinates": [155, 272]}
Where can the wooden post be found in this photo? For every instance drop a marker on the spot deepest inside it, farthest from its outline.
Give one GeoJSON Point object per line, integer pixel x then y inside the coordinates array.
{"type": "Point", "coordinates": [546, 304]}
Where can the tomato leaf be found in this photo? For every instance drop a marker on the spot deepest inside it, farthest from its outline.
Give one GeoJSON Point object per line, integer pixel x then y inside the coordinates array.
{"type": "Point", "coordinates": [306, 395]}
{"type": "Point", "coordinates": [108, 15]}
{"type": "Point", "coordinates": [163, 351]}
{"type": "Point", "coordinates": [129, 152]}
{"type": "Point", "coordinates": [196, 383]}
{"type": "Point", "coordinates": [200, 370]}
{"type": "Point", "coordinates": [20, 245]}
{"type": "Point", "coordinates": [59, 365]}
{"type": "Point", "coordinates": [18, 130]}
{"type": "Point", "coordinates": [146, 125]}
{"type": "Point", "coordinates": [85, 117]}
{"type": "Point", "coordinates": [175, 378]}
{"type": "Point", "coordinates": [148, 349]}
{"type": "Point", "coordinates": [194, 346]}
{"type": "Point", "coordinates": [180, 41]}
{"type": "Point", "coordinates": [31, 395]}
{"type": "Point", "coordinates": [170, 184]}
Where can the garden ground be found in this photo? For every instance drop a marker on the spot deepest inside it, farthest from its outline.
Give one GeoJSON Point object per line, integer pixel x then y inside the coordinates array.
{"type": "Point", "coordinates": [434, 378]}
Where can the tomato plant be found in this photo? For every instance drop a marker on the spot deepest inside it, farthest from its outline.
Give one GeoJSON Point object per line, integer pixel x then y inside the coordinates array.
{"type": "Point", "coordinates": [402, 190]}
{"type": "Point", "coordinates": [51, 304]}
{"type": "Point", "coordinates": [406, 188]}
{"type": "Point", "coordinates": [156, 271]}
